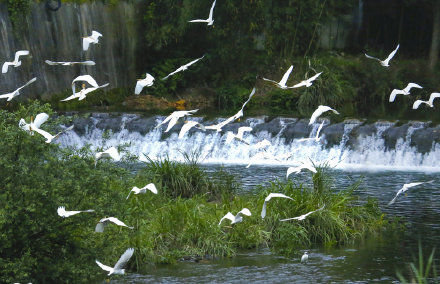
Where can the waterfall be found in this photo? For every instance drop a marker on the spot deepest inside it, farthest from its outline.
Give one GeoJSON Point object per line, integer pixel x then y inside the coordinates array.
{"type": "Point", "coordinates": [360, 147]}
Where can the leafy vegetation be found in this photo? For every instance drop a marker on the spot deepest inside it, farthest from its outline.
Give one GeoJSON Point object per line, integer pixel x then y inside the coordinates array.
{"type": "Point", "coordinates": [421, 272]}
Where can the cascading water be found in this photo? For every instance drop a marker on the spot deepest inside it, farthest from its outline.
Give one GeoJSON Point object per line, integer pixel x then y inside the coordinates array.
{"type": "Point", "coordinates": [359, 147]}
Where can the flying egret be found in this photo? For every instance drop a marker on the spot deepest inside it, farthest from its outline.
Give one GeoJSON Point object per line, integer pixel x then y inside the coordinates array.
{"type": "Point", "coordinates": [63, 213]}
{"type": "Point", "coordinates": [16, 61]}
{"type": "Point", "coordinates": [118, 268]}
{"type": "Point", "coordinates": [239, 114]}
{"type": "Point", "coordinates": [188, 125]}
{"type": "Point", "coordinates": [317, 138]}
{"type": "Point", "coordinates": [282, 83]}
{"type": "Point", "coordinates": [262, 144]}
{"type": "Point", "coordinates": [174, 117]}
{"type": "Point", "coordinates": [15, 93]}
{"type": "Point", "coordinates": [94, 38]}
{"type": "Point", "coordinates": [264, 156]}
{"type": "Point", "coordinates": [136, 190]}
{"type": "Point", "coordinates": [302, 217]}
{"type": "Point", "coordinates": [105, 221]}
{"type": "Point", "coordinates": [81, 95]}
{"type": "Point", "coordinates": [307, 82]}
{"type": "Point", "coordinates": [305, 257]}
{"type": "Point", "coordinates": [298, 169]}
{"type": "Point", "coordinates": [148, 81]}
{"type": "Point", "coordinates": [385, 62]}
{"type": "Point", "coordinates": [320, 110]}
{"type": "Point", "coordinates": [63, 63]}
{"type": "Point", "coordinates": [182, 68]}
{"type": "Point", "coordinates": [269, 197]}
{"type": "Point", "coordinates": [237, 218]}
{"type": "Point", "coordinates": [35, 126]}
{"type": "Point", "coordinates": [239, 136]}
{"type": "Point", "coordinates": [404, 92]}
{"type": "Point", "coordinates": [84, 78]}
{"type": "Point", "coordinates": [111, 152]}
{"type": "Point", "coordinates": [405, 187]}
{"type": "Point", "coordinates": [210, 19]}
{"type": "Point", "coordinates": [429, 102]}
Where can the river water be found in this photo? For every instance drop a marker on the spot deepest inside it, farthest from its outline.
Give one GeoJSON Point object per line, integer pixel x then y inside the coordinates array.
{"type": "Point", "coordinates": [370, 261]}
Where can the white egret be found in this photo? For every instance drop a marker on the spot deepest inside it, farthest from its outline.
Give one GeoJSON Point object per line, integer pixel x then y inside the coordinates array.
{"type": "Point", "coordinates": [136, 190]}
{"type": "Point", "coordinates": [16, 61]}
{"type": "Point", "coordinates": [35, 126]}
{"type": "Point", "coordinates": [269, 197]}
{"type": "Point", "coordinates": [297, 170]}
{"type": "Point", "coordinates": [63, 213]}
{"type": "Point", "coordinates": [263, 156]}
{"type": "Point", "coordinates": [385, 62]}
{"type": "Point", "coordinates": [320, 110]}
{"type": "Point", "coordinates": [148, 81]}
{"type": "Point", "coordinates": [118, 268]}
{"type": "Point", "coordinates": [94, 38]}
{"type": "Point", "coordinates": [404, 92]}
{"type": "Point", "coordinates": [81, 95]}
{"type": "Point", "coordinates": [239, 114]}
{"type": "Point", "coordinates": [188, 125]}
{"type": "Point", "coordinates": [239, 136]}
{"type": "Point", "coordinates": [305, 257]}
{"type": "Point", "coordinates": [174, 117]}
{"type": "Point", "coordinates": [317, 138]}
{"type": "Point", "coordinates": [105, 221]}
{"type": "Point", "coordinates": [15, 93]}
{"type": "Point", "coordinates": [262, 144]}
{"type": "Point", "coordinates": [282, 83]}
{"type": "Point", "coordinates": [237, 218]}
{"type": "Point", "coordinates": [63, 63]}
{"type": "Point", "coordinates": [111, 152]}
{"type": "Point", "coordinates": [307, 82]}
{"type": "Point", "coordinates": [84, 78]}
{"type": "Point", "coordinates": [302, 217]}
{"type": "Point", "coordinates": [210, 20]}
{"type": "Point", "coordinates": [429, 102]}
{"type": "Point", "coordinates": [182, 68]}
{"type": "Point", "coordinates": [405, 187]}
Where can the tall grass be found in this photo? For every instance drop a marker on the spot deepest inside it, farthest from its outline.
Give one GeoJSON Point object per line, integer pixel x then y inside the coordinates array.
{"type": "Point", "coordinates": [422, 272]}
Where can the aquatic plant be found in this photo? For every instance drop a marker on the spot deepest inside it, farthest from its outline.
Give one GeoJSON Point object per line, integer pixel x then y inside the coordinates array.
{"type": "Point", "coordinates": [421, 272]}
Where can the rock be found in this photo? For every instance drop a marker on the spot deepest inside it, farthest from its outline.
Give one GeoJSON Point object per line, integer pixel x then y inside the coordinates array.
{"type": "Point", "coordinates": [142, 125]}
{"type": "Point", "coordinates": [333, 134]}
{"type": "Point", "coordinates": [424, 138]}
{"type": "Point", "coordinates": [299, 129]}
{"type": "Point", "coordinates": [392, 134]}
{"type": "Point", "coordinates": [82, 125]}
{"type": "Point", "coordinates": [110, 123]}
{"type": "Point", "coordinates": [275, 126]}
{"type": "Point", "coordinates": [360, 132]}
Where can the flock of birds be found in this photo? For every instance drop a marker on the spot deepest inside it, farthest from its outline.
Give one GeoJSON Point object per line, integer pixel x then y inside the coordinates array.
{"type": "Point", "coordinates": [173, 118]}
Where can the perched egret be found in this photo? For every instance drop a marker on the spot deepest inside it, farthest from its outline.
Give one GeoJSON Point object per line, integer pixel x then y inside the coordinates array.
{"type": "Point", "coordinates": [307, 82]}
{"type": "Point", "coordinates": [182, 68]}
{"type": "Point", "coordinates": [81, 95]}
{"type": "Point", "coordinates": [142, 83]}
{"type": "Point", "coordinates": [136, 190]}
{"type": "Point", "coordinates": [404, 92]}
{"type": "Point", "coordinates": [317, 138]}
{"type": "Point", "coordinates": [239, 114]}
{"type": "Point", "coordinates": [405, 187]}
{"type": "Point", "coordinates": [237, 218]}
{"type": "Point", "coordinates": [63, 213]}
{"type": "Point", "coordinates": [118, 268]}
{"type": "Point", "coordinates": [239, 136]}
{"type": "Point", "coordinates": [210, 20]}
{"type": "Point", "coordinates": [302, 217]}
{"type": "Point", "coordinates": [282, 83]}
{"type": "Point", "coordinates": [15, 93]}
{"type": "Point", "coordinates": [105, 221]}
{"type": "Point", "coordinates": [269, 197]}
{"type": "Point", "coordinates": [188, 125]}
{"type": "Point", "coordinates": [320, 110]}
{"type": "Point", "coordinates": [385, 62]}
{"type": "Point", "coordinates": [94, 38]}
{"type": "Point", "coordinates": [297, 170]}
{"type": "Point", "coordinates": [174, 117]}
{"type": "Point", "coordinates": [305, 257]}
{"type": "Point", "coordinates": [111, 152]}
{"type": "Point", "coordinates": [429, 102]}
{"type": "Point", "coordinates": [86, 63]}
{"type": "Point", "coordinates": [16, 61]}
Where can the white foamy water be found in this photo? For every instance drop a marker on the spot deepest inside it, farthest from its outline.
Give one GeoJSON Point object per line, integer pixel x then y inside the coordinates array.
{"type": "Point", "coordinates": [370, 152]}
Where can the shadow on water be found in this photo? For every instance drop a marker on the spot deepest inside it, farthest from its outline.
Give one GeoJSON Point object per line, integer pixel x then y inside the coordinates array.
{"type": "Point", "coordinates": [369, 261]}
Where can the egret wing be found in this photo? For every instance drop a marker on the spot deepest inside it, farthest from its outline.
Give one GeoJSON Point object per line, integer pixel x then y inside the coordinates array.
{"type": "Point", "coordinates": [228, 216]}
{"type": "Point", "coordinates": [40, 119]}
{"type": "Point", "coordinates": [20, 53]}
{"type": "Point", "coordinates": [286, 76]}
{"type": "Point", "coordinates": [394, 93]}
{"type": "Point", "coordinates": [418, 103]}
{"type": "Point", "coordinates": [125, 257]}
{"type": "Point", "coordinates": [387, 60]}
{"type": "Point", "coordinates": [186, 127]}
{"type": "Point", "coordinates": [371, 57]}
{"type": "Point", "coordinates": [412, 85]}
{"type": "Point", "coordinates": [104, 267]}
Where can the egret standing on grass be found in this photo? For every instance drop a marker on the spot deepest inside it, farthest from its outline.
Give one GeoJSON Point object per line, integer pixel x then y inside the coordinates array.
{"type": "Point", "coordinates": [210, 19]}
{"type": "Point", "coordinates": [174, 117]}
{"type": "Point", "coordinates": [385, 62]}
{"type": "Point", "coordinates": [16, 61]}
{"type": "Point", "coordinates": [320, 110]}
{"type": "Point", "coordinates": [63, 213]}
{"type": "Point", "coordinates": [404, 92]}
{"type": "Point", "coordinates": [429, 102]}
{"type": "Point", "coordinates": [405, 187]}
{"type": "Point", "coordinates": [15, 93]}
{"type": "Point", "coordinates": [269, 197]}
{"type": "Point", "coordinates": [94, 38]}
{"type": "Point", "coordinates": [142, 83]}
{"type": "Point", "coordinates": [136, 190]}
{"type": "Point", "coordinates": [237, 218]}
{"type": "Point", "coordinates": [122, 262]}
{"type": "Point", "coordinates": [111, 152]}
{"type": "Point", "coordinates": [105, 221]}
{"type": "Point", "coordinates": [182, 68]}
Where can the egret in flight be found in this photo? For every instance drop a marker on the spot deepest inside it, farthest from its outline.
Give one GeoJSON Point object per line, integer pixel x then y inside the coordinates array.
{"type": "Point", "coordinates": [86, 63]}
{"type": "Point", "coordinates": [94, 38]}
{"type": "Point", "coordinates": [16, 93]}
{"type": "Point", "coordinates": [188, 125]}
{"type": "Point", "coordinates": [282, 83]}
{"type": "Point", "coordinates": [142, 83]}
{"type": "Point", "coordinates": [111, 152]}
{"type": "Point", "coordinates": [302, 217]}
{"type": "Point", "coordinates": [237, 218]}
{"type": "Point", "coordinates": [317, 138]}
{"type": "Point", "coordinates": [307, 82]}
{"type": "Point", "coordinates": [81, 95]}
{"type": "Point", "coordinates": [122, 262]}
{"type": "Point", "coordinates": [239, 136]}
{"type": "Point", "coordinates": [63, 213]}
{"type": "Point", "coordinates": [105, 221]}
{"type": "Point", "coordinates": [405, 187]}
{"type": "Point", "coordinates": [269, 197]}
{"type": "Point", "coordinates": [174, 117]}
{"type": "Point", "coordinates": [182, 68]}
{"type": "Point", "coordinates": [84, 78]}
{"type": "Point", "coordinates": [136, 190]}
{"type": "Point", "coordinates": [297, 170]}
{"type": "Point", "coordinates": [210, 19]}
{"type": "Point", "coordinates": [404, 92]}
{"type": "Point", "coordinates": [429, 102]}
{"type": "Point", "coordinates": [320, 110]}
{"type": "Point", "coordinates": [16, 61]}
{"type": "Point", "coordinates": [385, 62]}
